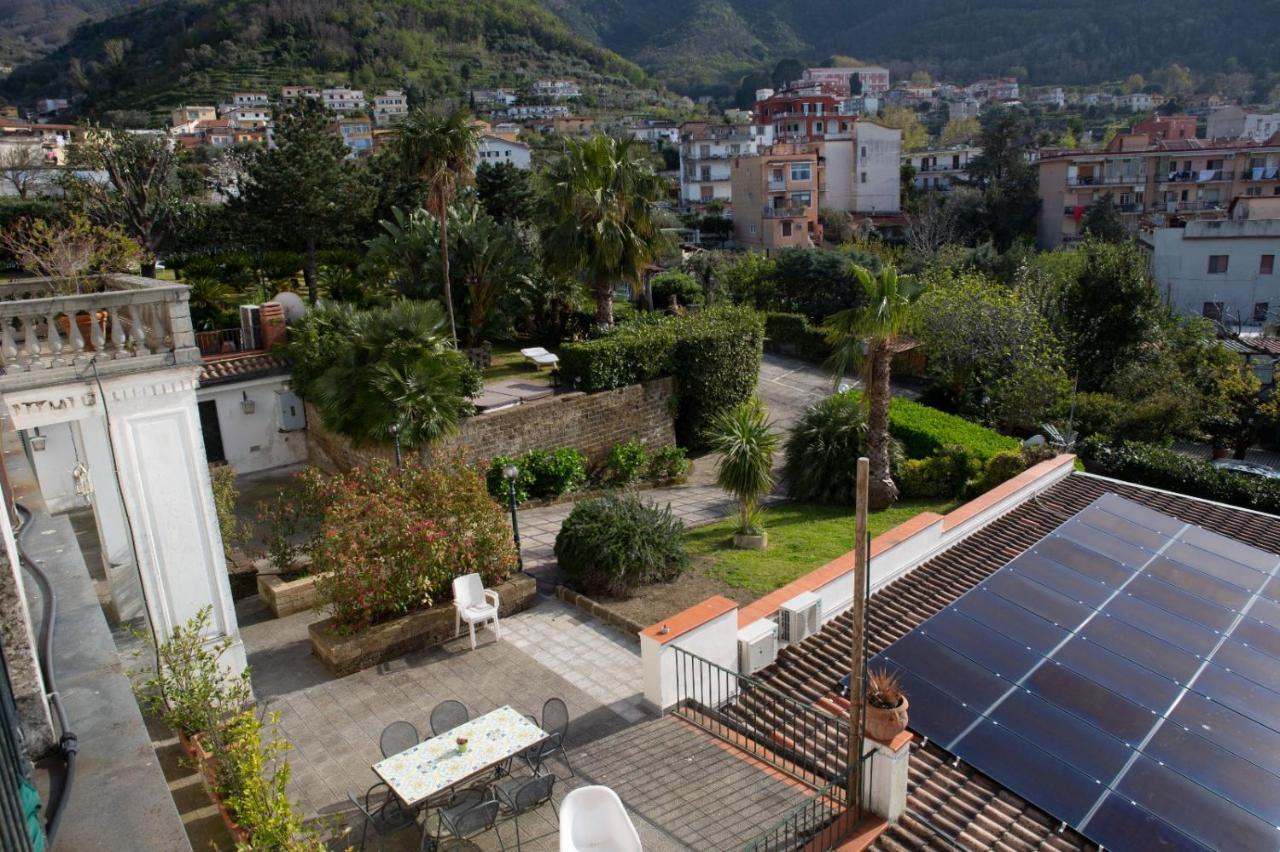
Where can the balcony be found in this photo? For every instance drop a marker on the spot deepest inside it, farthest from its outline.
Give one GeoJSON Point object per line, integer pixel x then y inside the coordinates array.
{"type": "Point", "coordinates": [1107, 180]}
{"type": "Point", "coordinates": [785, 212]}
{"type": "Point", "coordinates": [777, 186]}
{"type": "Point", "coordinates": [1260, 173]}
{"type": "Point", "coordinates": [123, 324]}
{"type": "Point", "coordinates": [1198, 176]}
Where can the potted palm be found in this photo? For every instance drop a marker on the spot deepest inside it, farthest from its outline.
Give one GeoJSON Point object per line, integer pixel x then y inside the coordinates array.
{"type": "Point", "coordinates": [746, 441]}
{"type": "Point", "coordinates": [886, 705]}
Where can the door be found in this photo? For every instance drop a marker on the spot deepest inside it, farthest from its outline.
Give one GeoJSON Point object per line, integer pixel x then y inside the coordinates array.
{"type": "Point", "coordinates": [212, 432]}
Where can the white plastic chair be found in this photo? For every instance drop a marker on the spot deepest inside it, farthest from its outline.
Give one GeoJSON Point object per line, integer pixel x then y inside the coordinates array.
{"type": "Point", "coordinates": [540, 357]}
{"type": "Point", "coordinates": [594, 818]}
{"type": "Point", "coordinates": [474, 604]}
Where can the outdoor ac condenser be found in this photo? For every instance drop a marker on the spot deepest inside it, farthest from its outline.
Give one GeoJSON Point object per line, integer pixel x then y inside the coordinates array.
{"type": "Point", "coordinates": [757, 646]}
{"type": "Point", "coordinates": [799, 617]}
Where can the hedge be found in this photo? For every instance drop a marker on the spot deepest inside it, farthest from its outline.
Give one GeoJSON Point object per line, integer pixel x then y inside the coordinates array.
{"type": "Point", "coordinates": [714, 355]}
{"type": "Point", "coordinates": [924, 431]}
{"type": "Point", "coordinates": [1159, 467]}
{"type": "Point", "coordinates": [793, 334]}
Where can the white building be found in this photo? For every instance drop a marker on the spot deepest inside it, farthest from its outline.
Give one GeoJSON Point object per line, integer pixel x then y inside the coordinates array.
{"type": "Point", "coordinates": [654, 132]}
{"type": "Point", "coordinates": [248, 99]}
{"type": "Point", "coordinates": [939, 168]}
{"type": "Point", "coordinates": [1220, 269]}
{"type": "Point", "coordinates": [705, 153]}
{"type": "Point", "coordinates": [964, 108]}
{"type": "Point", "coordinates": [1055, 97]}
{"type": "Point", "coordinates": [343, 99]}
{"type": "Point", "coordinates": [1234, 123]}
{"type": "Point", "coordinates": [389, 107]}
{"type": "Point", "coordinates": [874, 78]}
{"type": "Point", "coordinates": [248, 117]}
{"type": "Point", "coordinates": [556, 89]}
{"type": "Point", "coordinates": [862, 170]}
{"type": "Point", "coordinates": [488, 98]}
{"type": "Point", "coordinates": [523, 112]}
{"type": "Point", "coordinates": [251, 419]}
{"type": "Point", "coordinates": [50, 106]}
{"type": "Point", "coordinates": [495, 149]}
{"type": "Point", "coordinates": [1135, 102]}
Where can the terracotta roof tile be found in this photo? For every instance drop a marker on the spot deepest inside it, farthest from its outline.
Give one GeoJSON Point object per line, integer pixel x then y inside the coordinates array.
{"type": "Point", "coordinates": [968, 808]}
{"type": "Point", "coordinates": [242, 365]}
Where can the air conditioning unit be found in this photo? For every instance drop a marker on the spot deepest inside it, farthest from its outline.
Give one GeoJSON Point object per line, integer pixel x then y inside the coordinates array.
{"type": "Point", "coordinates": [250, 328]}
{"type": "Point", "coordinates": [757, 646]}
{"type": "Point", "coordinates": [800, 617]}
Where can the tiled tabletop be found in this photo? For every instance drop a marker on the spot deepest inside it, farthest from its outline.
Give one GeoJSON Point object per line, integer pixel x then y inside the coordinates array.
{"type": "Point", "coordinates": [436, 764]}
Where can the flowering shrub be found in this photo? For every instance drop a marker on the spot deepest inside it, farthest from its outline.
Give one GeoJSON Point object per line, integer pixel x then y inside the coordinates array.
{"type": "Point", "coordinates": [393, 541]}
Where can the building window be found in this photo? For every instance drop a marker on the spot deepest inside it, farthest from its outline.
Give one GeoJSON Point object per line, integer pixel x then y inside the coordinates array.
{"type": "Point", "coordinates": [786, 229]}
{"type": "Point", "coordinates": [864, 152]}
{"type": "Point", "coordinates": [753, 227]}
{"type": "Point", "coordinates": [817, 127]}
{"type": "Point", "coordinates": [1217, 264]}
{"type": "Point", "coordinates": [1212, 310]}
{"type": "Point", "coordinates": [801, 171]}
{"type": "Point", "coordinates": [1260, 311]}
{"type": "Point", "coordinates": [707, 192]}
{"type": "Point", "coordinates": [801, 199]}
{"type": "Point", "coordinates": [862, 178]}
{"type": "Point", "coordinates": [1267, 265]}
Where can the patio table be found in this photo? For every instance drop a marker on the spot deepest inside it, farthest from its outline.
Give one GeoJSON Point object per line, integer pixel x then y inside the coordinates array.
{"type": "Point", "coordinates": [433, 765]}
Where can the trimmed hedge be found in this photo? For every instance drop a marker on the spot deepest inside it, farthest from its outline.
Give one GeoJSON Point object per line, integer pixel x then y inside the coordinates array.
{"type": "Point", "coordinates": [793, 334]}
{"type": "Point", "coordinates": [714, 355]}
{"type": "Point", "coordinates": [924, 431]}
{"type": "Point", "coordinates": [1160, 467]}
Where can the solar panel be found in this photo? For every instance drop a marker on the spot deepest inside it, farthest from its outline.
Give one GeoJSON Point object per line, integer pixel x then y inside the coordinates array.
{"type": "Point", "coordinates": [1122, 674]}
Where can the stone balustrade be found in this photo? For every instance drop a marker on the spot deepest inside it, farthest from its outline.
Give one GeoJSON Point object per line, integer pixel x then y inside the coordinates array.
{"type": "Point", "coordinates": [124, 323]}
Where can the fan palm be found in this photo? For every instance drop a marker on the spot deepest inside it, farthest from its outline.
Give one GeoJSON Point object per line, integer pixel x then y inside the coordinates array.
{"type": "Point", "coordinates": [598, 206]}
{"type": "Point", "coordinates": [864, 338]}
{"type": "Point", "coordinates": [746, 441]}
{"type": "Point", "coordinates": [440, 149]}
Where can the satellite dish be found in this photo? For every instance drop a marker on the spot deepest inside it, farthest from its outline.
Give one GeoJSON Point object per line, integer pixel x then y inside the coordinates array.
{"type": "Point", "coordinates": [294, 309]}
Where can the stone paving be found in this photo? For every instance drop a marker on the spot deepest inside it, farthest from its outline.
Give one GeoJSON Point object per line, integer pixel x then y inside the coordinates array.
{"type": "Point", "coordinates": [683, 789]}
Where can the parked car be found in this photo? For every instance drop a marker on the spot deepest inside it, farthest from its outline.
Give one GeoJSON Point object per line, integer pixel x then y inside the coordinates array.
{"type": "Point", "coordinates": [1247, 468]}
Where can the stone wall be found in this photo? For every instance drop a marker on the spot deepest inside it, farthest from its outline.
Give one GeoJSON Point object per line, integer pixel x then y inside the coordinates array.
{"type": "Point", "coordinates": [591, 423]}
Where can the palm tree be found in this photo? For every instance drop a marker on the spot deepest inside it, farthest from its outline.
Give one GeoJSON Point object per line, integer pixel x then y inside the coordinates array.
{"type": "Point", "coordinates": [598, 206]}
{"type": "Point", "coordinates": [746, 441]}
{"type": "Point", "coordinates": [864, 337]}
{"type": "Point", "coordinates": [441, 150]}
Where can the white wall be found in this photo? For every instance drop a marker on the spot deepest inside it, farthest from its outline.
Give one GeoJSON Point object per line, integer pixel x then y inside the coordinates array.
{"type": "Point", "coordinates": [494, 151]}
{"type": "Point", "coordinates": [882, 164]}
{"type": "Point", "coordinates": [838, 175]}
{"type": "Point", "coordinates": [1180, 264]}
{"type": "Point", "coordinates": [54, 464]}
{"type": "Point", "coordinates": [715, 640]}
{"type": "Point", "coordinates": [254, 441]}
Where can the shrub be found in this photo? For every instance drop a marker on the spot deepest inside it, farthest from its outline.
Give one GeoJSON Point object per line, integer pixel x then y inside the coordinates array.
{"type": "Point", "coordinates": [393, 541]}
{"type": "Point", "coordinates": [668, 463]}
{"type": "Point", "coordinates": [793, 334]}
{"type": "Point", "coordinates": [822, 448]}
{"type": "Point", "coordinates": [683, 286]}
{"type": "Point", "coordinates": [615, 543]}
{"type": "Point", "coordinates": [715, 354]}
{"type": "Point", "coordinates": [625, 463]}
{"type": "Point", "coordinates": [292, 518]}
{"type": "Point", "coordinates": [1097, 413]}
{"type": "Point", "coordinates": [496, 481]}
{"type": "Point", "coordinates": [253, 779]}
{"type": "Point", "coordinates": [1001, 467]}
{"type": "Point", "coordinates": [556, 472]}
{"type": "Point", "coordinates": [222, 479]}
{"type": "Point", "coordinates": [924, 431]}
{"type": "Point", "coordinates": [1159, 467]}
{"type": "Point", "coordinates": [940, 476]}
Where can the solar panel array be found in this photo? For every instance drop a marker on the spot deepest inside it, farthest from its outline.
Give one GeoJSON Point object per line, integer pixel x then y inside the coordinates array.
{"type": "Point", "coordinates": [1123, 675]}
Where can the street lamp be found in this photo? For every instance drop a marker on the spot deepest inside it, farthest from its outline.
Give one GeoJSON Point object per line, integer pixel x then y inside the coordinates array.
{"type": "Point", "coordinates": [395, 436]}
{"type": "Point", "coordinates": [509, 473]}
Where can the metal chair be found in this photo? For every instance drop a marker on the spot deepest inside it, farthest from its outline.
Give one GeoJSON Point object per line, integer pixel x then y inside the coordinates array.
{"type": "Point", "coordinates": [520, 795]}
{"type": "Point", "coordinates": [448, 715]}
{"type": "Point", "coordinates": [555, 721]}
{"type": "Point", "coordinates": [388, 817]}
{"type": "Point", "coordinates": [470, 814]}
{"type": "Point", "coordinates": [398, 737]}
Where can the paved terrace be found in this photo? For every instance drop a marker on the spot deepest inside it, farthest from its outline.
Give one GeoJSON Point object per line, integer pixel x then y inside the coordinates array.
{"type": "Point", "coordinates": [683, 788]}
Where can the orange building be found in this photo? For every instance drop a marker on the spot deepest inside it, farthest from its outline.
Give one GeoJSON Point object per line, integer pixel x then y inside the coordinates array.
{"type": "Point", "coordinates": [775, 196]}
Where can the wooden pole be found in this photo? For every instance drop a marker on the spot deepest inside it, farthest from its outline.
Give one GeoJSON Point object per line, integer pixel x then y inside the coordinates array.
{"type": "Point", "coordinates": [857, 646]}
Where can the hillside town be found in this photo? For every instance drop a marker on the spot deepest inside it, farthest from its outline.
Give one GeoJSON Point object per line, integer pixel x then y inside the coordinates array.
{"type": "Point", "coordinates": [858, 461]}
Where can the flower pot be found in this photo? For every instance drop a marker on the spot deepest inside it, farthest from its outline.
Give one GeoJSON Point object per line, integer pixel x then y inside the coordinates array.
{"type": "Point", "coordinates": [884, 725]}
{"type": "Point", "coordinates": [749, 541]}
{"type": "Point", "coordinates": [462, 748]}
{"type": "Point", "coordinates": [84, 324]}
{"type": "Point", "coordinates": [238, 834]}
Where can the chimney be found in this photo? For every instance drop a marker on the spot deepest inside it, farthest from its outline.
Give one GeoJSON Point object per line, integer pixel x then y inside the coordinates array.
{"type": "Point", "coordinates": [272, 321]}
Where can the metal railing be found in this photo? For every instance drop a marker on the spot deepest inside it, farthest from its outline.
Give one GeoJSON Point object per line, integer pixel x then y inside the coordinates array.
{"type": "Point", "coordinates": [1107, 180]}
{"type": "Point", "coordinates": [821, 822]}
{"type": "Point", "coordinates": [15, 833]}
{"type": "Point", "coordinates": [799, 739]}
{"type": "Point", "coordinates": [219, 341]}
{"type": "Point", "coordinates": [784, 212]}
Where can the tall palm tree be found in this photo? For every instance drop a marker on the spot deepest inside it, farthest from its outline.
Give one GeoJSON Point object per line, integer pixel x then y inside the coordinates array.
{"type": "Point", "coordinates": [864, 338]}
{"type": "Point", "coordinates": [598, 206]}
{"type": "Point", "coordinates": [441, 150]}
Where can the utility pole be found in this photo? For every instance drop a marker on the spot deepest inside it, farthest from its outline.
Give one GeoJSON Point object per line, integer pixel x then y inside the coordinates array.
{"type": "Point", "coordinates": [857, 644]}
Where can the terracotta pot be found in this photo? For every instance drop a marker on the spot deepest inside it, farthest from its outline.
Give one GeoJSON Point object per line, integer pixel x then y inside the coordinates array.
{"type": "Point", "coordinates": [238, 834]}
{"type": "Point", "coordinates": [884, 725]}
{"type": "Point", "coordinates": [85, 325]}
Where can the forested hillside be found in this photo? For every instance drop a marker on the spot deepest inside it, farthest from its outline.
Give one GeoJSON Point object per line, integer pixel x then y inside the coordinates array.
{"type": "Point", "coordinates": [200, 50]}
{"type": "Point", "coordinates": [30, 29]}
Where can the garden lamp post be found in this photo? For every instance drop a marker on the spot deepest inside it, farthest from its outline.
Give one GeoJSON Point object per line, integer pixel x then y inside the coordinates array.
{"type": "Point", "coordinates": [395, 436]}
{"type": "Point", "coordinates": [509, 473]}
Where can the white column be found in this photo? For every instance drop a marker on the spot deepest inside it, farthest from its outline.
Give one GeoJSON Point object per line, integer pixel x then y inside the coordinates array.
{"type": "Point", "coordinates": [887, 775]}
{"type": "Point", "coordinates": [159, 452]}
{"type": "Point", "coordinates": [109, 518]}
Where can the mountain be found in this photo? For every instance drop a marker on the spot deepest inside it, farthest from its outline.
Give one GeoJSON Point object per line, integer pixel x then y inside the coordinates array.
{"type": "Point", "coordinates": [157, 56]}
{"type": "Point", "coordinates": [706, 45]}
{"type": "Point", "coordinates": [30, 29]}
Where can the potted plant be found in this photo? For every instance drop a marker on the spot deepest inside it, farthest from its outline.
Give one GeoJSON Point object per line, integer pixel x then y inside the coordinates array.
{"type": "Point", "coordinates": [746, 441]}
{"type": "Point", "coordinates": [886, 705]}
{"type": "Point", "coordinates": [462, 745]}
{"type": "Point", "coordinates": [1221, 428]}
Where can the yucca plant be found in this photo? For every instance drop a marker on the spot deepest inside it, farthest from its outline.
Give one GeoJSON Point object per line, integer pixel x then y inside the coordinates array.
{"type": "Point", "coordinates": [746, 441]}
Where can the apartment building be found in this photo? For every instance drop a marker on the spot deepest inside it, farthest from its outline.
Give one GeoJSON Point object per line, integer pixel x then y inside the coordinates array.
{"type": "Point", "coordinates": [874, 79]}
{"type": "Point", "coordinates": [495, 149]}
{"type": "Point", "coordinates": [290, 94]}
{"type": "Point", "coordinates": [1135, 102]}
{"type": "Point", "coordinates": [1235, 122]}
{"type": "Point", "coordinates": [938, 169]}
{"type": "Point", "coordinates": [777, 198]}
{"type": "Point", "coordinates": [706, 150]}
{"type": "Point", "coordinates": [1223, 269]}
{"type": "Point", "coordinates": [1153, 183]}
{"type": "Point", "coordinates": [993, 89]}
{"type": "Point", "coordinates": [490, 98]}
{"type": "Point", "coordinates": [802, 115]}
{"type": "Point", "coordinates": [189, 114]}
{"type": "Point", "coordinates": [524, 112]}
{"type": "Point", "coordinates": [343, 99]}
{"type": "Point", "coordinates": [556, 89]}
{"type": "Point", "coordinates": [389, 107]}
{"type": "Point", "coordinates": [250, 99]}
{"type": "Point", "coordinates": [249, 117]}
{"type": "Point", "coordinates": [861, 170]}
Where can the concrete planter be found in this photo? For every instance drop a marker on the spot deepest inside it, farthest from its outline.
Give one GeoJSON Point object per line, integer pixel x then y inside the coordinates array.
{"type": "Point", "coordinates": [285, 597]}
{"type": "Point", "coordinates": [426, 628]}
{"type": "Point", "coordinates": [747, 541]}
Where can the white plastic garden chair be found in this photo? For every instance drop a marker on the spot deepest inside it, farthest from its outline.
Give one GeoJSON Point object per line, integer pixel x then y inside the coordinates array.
{"type": "Point", "coordinates": [474, 604]}
{"type": "Point", "coordinates": [594, 818]}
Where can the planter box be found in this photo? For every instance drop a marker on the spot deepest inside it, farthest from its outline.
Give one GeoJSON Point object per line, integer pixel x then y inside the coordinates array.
{"type": "Point", "coordinates": [285, 597]}
{"type": "Point", "coordinates": [426, 628]}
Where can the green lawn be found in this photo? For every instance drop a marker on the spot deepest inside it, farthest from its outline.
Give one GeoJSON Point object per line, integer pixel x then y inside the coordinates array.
{"type": "Point", "coordinates": [508, 363]}
{"type": "Point", "coordinates": [802, 537]}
